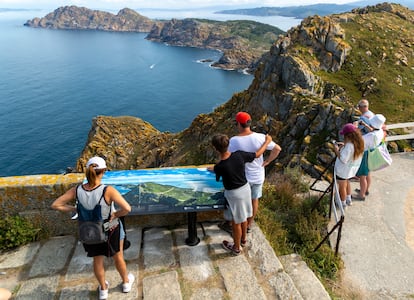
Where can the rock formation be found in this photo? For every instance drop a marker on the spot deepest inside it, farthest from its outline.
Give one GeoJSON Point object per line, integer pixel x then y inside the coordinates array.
{"type": "Point", "coordinates": [304, 90]}
{"type": "Point", "coordinates": [236, 39]}
{"type": "Point", "coordinates": [73, 17]}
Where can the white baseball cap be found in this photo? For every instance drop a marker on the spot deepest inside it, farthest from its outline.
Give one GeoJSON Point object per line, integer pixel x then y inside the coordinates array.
{"type": "Point", "coordinates": [98, 161]}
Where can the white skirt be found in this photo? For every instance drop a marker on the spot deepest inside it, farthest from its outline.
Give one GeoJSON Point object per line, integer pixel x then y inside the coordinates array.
{"type": "Point", "coordinates": [240, 203]}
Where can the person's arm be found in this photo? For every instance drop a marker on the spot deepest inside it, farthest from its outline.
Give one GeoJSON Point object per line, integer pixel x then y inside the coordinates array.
{"type": "Point", "coordinates": [345, 152]}
{"type": "Point", "coordinates": [61, 203]}
{"type": "Point", "coordinates": [123, 206]}
{"type": "Point", "coordinates": [273, 154]}
{"type": "Point", "coordinates": [366, 125]}
{"type": "Point", "coordinates": [262, 149]}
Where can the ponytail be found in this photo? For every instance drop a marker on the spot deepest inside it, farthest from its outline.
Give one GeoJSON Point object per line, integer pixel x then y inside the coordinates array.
{"type": "Point", "coordinates": [92, 173]}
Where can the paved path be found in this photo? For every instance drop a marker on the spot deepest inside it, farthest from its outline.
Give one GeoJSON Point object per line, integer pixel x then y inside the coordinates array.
{"type": "Point", "coordinates": [165, 268]}
{"type": "Point", "coordinates": [378, 233]}
{"type": "Point", "coordinates": [376, 246]}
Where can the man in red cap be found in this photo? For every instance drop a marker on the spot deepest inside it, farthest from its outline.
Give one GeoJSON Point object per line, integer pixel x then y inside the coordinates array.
{"type": "Point", "coordinates": [250, 141]}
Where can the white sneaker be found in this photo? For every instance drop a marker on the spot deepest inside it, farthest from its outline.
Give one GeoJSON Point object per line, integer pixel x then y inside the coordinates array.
{"type": "Point", "coordinates": [348, 202]}
{"type": "Point", "coordinates": [126, 287]}
{"type": "Point", "coordinates": [343, 204]}
{"type": "Point", "coordinates": [103, 294]}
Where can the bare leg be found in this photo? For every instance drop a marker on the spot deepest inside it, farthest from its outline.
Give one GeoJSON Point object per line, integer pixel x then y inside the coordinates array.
{"type": "Point", "coordinates": [363, 183]}
{"type": "Point", "coordinates": [120, 263]}
{"type": "Point", "coordinates": [342, 187]}
{"type": "Point", "coordinates": [99, 270]}
{"type": "Point", "coordinates": [244, 231]}
{"type": "Point", "coordinates": [255, 207]}
{"type": "Point", "coordinates": [368, 182]}
{"type": "Point", "coordinates": [237, 233]}
{"type": "Point", "coordinates": [348, 188]}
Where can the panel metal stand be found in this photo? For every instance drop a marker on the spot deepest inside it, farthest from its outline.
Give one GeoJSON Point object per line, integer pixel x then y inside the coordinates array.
{"type": "Point", "coordinates": [192, 239]}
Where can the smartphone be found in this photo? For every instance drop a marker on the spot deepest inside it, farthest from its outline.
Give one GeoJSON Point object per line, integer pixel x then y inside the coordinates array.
{"type": "Point", "coordinates": [109, 225]}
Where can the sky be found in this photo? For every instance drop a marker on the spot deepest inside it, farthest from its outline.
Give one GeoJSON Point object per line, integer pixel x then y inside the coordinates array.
{"type": "Point", "coordinates": [165, 4]}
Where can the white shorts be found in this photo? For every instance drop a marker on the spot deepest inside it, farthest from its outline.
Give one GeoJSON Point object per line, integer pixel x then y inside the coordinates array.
{"type": "Point", "coordinates": [240, 203]}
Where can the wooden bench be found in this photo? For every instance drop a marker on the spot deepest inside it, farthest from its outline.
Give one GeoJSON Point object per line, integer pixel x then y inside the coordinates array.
{"type": "Point", "coordinates": [408, 136]}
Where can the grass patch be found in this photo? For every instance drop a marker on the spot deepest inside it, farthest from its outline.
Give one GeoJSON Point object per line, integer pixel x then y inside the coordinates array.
{"type": "Point", "coordinates": [379, 64]}
{"type": "Point", "coordinates": [291, 226]}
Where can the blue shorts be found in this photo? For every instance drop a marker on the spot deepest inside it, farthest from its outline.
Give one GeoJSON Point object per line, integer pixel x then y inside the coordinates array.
{"type": "Point", "coordinates": [256, 190]}
{"type": "Point", "coordinates": [121, 231]}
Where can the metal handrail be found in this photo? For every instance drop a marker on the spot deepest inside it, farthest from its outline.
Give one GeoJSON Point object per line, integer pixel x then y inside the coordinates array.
{"type": "Point", "coordinates": [339, 219]}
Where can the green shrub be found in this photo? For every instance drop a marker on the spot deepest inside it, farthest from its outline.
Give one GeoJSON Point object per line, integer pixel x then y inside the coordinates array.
{"type": "Point", "coordinates": [291, 226]}
{"type": "Point", "coordinates": [16, 231]}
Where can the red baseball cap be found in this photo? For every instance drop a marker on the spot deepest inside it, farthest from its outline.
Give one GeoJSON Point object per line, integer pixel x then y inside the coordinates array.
{"type": "Point", "coordinates": [243, 117]}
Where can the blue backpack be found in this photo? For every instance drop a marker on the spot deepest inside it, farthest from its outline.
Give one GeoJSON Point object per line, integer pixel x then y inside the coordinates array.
{"type": "Point", "coordinates": [91, 223]}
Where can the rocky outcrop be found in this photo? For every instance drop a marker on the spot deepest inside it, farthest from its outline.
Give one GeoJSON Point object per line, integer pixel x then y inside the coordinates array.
{"type": "Point", "coordinates": [126, 143]}
{"type": "Point", "coordinates": [235, 39]}
{"type": "Point", "coordinates": [304, 90]}
{"type": "Point", "coordinates": [73, 17]}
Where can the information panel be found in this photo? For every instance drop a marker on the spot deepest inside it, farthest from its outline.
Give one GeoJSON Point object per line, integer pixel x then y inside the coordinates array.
{"type": "Point", "coordinates": [168, 190]}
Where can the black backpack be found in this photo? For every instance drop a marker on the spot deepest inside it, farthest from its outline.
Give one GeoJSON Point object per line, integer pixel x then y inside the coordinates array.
{"type": "Point", "coordinates": [91, 223]}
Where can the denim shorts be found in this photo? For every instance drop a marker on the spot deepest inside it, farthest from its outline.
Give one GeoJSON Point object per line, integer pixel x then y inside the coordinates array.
{"type": "Point", "coordinates": [121, 231]}
{"type": "Point", "coordinates": [256, 190]}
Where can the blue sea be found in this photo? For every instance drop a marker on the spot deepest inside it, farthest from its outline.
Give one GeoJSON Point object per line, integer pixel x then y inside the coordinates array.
{"type": "Point", "coordinates": [54, 82]}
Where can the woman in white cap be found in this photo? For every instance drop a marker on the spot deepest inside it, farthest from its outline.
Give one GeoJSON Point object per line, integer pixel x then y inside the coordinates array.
{"type": "Point", "coordinates": [89, 195]}
{"type": "Point", "coordinates": [371, 140]}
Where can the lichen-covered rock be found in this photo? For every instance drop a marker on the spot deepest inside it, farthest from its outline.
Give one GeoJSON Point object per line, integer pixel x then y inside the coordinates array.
{"type": "Point", "coordinates": [126, 143]}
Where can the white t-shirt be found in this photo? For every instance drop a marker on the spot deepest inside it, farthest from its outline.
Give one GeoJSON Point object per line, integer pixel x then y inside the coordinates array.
{"type": "Point", "coordinates": [345, 165]}
{"type": "Point", "coordinates": [255, 172]}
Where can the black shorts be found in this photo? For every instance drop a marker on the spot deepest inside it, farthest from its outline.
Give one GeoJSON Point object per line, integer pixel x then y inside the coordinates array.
{"type": "Point", "coordinates": [108, 248]}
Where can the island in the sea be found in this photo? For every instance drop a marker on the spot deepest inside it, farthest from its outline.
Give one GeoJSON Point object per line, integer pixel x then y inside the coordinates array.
{"type": "Point", "coordinates": [242, 43]}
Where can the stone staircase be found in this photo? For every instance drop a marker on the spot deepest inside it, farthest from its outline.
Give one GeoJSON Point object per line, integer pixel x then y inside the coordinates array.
{"type": "Point", "coordinates": [164, 267]}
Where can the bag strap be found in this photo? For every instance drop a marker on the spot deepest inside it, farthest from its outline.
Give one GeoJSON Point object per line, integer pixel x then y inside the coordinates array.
{"type": "Point", "coordinates": [100, 199]}
{"type": "Point", "coordinates": [76, 194]}
{"type": "Point", "coordinates": [103, 197]}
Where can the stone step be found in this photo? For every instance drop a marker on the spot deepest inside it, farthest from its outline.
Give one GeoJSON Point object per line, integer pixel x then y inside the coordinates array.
{"type": "Point", "coordinates": [164, 268]}
{"type": "Point", "coordinates": [305, 280]}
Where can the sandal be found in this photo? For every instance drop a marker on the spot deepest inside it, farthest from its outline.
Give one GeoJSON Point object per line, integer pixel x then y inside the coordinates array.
{"type": "Point", "coordinates": [357, 197]}
{"type": "Point", "coordinates": [230, 247]}
{"type": "Point", "coordinates": [359, 191]}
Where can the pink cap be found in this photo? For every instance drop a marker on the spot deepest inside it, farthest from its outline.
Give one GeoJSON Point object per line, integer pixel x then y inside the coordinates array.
{"type": "Point", "coordinates": [348, 128]}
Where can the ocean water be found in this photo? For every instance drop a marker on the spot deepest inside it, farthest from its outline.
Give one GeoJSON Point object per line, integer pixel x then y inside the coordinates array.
{"type": "Point", "coordinates": [54, 82]}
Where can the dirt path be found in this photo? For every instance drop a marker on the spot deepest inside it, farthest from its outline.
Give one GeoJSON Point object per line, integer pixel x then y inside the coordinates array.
{"type": "Point", "coordinates": [409, 218]}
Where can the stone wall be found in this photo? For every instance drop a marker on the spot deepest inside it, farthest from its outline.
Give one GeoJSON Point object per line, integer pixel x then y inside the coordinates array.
{"type": "Point", "coordinates": [31, 197]}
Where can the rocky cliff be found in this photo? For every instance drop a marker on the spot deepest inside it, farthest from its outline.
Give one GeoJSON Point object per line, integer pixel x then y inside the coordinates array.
{"type": "Point", "coordinates": [305, 88]}
{"type": "Point", "coordinates": [73, 17]}
{"type": "Point", "coordinates": [242, 42]}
